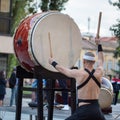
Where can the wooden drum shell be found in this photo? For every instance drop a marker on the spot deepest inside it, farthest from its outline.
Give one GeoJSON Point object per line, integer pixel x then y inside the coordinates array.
{"type": "Point", "coordinates": [31, 40]}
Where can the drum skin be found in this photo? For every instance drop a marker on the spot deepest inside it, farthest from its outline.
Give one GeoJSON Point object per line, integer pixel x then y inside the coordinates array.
{"type": "Point", "coordinates": [33, 35]}
{"type": "Point", "coordinates": [106, 94]}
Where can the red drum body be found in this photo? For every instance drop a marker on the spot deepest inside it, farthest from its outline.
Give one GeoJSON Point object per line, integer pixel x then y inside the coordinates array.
{"type": "Point", "coordinates": [32, 45]}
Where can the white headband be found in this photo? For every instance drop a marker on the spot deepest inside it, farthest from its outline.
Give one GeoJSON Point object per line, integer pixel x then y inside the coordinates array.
{"type": "Point", "coordinates": [86, 57]}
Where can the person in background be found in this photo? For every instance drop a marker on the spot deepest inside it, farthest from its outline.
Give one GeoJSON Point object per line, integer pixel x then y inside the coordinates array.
{"type": "Point", "coordinates": [63, 84]}
{"type": "Point", "coordinates": [34, 93]}
{"type": "Point", "coordinates": [13, 81]}
{"type": "Point", "coordinates": [2, 86]}
{"type": "Point", "coordinates": [34, 98]}
{"type": "Point", "coordinates": [88, 82]}
{"type": "Point", "coordinates": [116, 88]}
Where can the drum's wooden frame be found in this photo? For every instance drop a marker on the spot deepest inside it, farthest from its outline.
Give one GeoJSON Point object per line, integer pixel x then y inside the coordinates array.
{"type": "Point", "coordinates": [34, 68]}
{"type": "Point", "coordinates": [40, 73]}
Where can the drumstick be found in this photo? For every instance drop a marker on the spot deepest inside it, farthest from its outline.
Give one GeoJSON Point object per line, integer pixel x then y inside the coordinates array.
{"type": "Point", "coordinates": [51, 55]}
{"type": "Point", "coordinates": [99, 22]}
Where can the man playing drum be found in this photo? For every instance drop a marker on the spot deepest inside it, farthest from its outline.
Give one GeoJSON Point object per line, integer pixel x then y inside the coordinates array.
{"type": "Point", "coordinates": [88, 82]}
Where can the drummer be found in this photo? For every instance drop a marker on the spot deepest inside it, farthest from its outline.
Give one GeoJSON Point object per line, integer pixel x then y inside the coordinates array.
{"type": "Point", "coordinates": [88, 82]}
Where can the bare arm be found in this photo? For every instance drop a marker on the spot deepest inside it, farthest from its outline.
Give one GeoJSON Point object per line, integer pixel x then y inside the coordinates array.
{"type": "Point", "coordinates": [100, 56]}
{"type": "Point", "coordinates": [66, 71]}
{"type": "Point", "coordinates": [100, 59]}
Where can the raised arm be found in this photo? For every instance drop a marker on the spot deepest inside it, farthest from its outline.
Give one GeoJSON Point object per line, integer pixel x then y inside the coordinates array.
{"type": "Point", "coordinates": [100, 55]}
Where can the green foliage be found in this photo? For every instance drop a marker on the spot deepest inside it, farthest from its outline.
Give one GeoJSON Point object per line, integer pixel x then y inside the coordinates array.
{"type": "Point", "coordinates": [53, 5]}
{"type": "Point", "coordinates": [32, 6]}
{"type": "Point", "coordinates": [20, 10]}
{"type": "Point", "coordinates": [117, 51]}
{"type": "Point", "coordinates": [57, 5]}
{"type": "Point", "coordinates": [117, 71]}
{"type": "Point", "coordinates": [116, 27]}
{"type": "Point", "coordinates": [116, 4]}
{"type": "Point", "coordinates": [44, 5]}
{"type": "Point", "coordinates": [12, 62]}
{"type": "Point", "coordinates": [17, 13]}
{"type": "Point", "coordinates": [116, 30]}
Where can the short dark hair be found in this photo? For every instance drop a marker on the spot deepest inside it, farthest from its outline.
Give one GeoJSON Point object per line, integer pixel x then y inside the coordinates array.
{"type": "Point", "coordinates": [90, 54]}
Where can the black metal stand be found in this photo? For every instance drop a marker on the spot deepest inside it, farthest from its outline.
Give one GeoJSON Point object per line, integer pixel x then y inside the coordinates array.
{"type": "Point", "coordinates": [21, 74]}
{"type": "Point", "coordinates": [41, 73]}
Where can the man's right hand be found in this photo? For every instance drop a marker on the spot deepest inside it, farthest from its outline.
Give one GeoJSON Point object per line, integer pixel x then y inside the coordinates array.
{"type": "Point", "coordinates": [51, 60]}
{"type": "Point", "coordinates": [97, 41]}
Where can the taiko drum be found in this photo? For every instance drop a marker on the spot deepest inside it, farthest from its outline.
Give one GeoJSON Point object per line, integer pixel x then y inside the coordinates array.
{"type": "Point", "coordinates": [41, 34]}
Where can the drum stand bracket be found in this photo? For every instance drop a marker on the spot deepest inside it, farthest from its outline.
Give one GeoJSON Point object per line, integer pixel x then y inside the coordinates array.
{"type": "Point", "coordinates": [40, 73]}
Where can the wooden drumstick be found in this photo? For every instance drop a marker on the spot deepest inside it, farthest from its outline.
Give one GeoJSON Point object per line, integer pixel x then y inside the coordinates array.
{"type": "Point", "coordinates": [99, 22]}
{"type": "Point", "coordinates": [51, 55]}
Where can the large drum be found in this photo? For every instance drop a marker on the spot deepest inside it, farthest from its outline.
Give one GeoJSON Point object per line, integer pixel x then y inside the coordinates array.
{"type": "Point", "coordinates": [47, 33]}
{"type": "Point", "coordinates": [106, 94]}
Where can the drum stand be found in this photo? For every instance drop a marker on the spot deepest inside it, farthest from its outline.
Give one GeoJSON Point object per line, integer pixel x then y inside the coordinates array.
{"type": "Point", "coordinates": [41, 73]}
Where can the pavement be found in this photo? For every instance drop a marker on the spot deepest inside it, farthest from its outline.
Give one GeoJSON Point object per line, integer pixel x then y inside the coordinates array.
{"type": "Point", "coordinates": [7, 115]}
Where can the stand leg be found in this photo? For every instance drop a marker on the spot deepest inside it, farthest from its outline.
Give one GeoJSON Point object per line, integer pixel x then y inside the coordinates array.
{"type": "Point", "coordinates": [30, 117]}
{"type": "Point", "coordinates": [40, 99]}
{"type": "Point", "coordinates": [19, 99]}
{"type": "Point", "coordinates": [73, 96]}
{"type": "Point", "coordinates": [51, 100]}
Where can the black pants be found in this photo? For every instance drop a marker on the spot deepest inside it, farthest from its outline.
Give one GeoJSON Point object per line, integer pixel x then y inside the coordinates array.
{"type": "Point", "coordinates": [63, 84]}
{"type": "Point", "coordinates": [116, 97]}
{"type": "Point", "coordinates": [90, 111]}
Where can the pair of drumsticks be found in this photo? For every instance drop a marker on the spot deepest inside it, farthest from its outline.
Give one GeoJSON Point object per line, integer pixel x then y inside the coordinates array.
{"type": "Point", "coordinates": [97, 35]}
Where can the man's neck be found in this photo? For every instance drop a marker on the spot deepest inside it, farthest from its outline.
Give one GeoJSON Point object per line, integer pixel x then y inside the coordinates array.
{"type": "Point", "coordinates": [89, 67]}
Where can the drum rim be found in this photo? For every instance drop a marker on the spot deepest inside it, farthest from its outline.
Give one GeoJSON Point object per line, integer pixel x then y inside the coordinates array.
{"type": "Point", "coordinates": [32, 32]}
{"type": "Point", "coordinates": [31, 37]}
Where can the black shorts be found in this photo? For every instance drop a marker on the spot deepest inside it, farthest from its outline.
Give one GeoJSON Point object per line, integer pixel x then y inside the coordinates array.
{"type": "Point", "coordinates": [90, 111]}
{"type": "Point", "coordinates": [2, 97]}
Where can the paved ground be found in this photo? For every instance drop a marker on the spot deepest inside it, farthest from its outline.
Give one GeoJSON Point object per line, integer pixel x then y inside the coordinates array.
{"type": "Point", "coordinates": [7, 115]}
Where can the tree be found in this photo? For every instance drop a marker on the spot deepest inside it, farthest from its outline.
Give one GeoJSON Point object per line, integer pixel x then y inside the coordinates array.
{"type": "Point", "coordinates": [17, 15]}
{"type": "Point", "coordinates": [46, 5]}
{"type": "Point", "coordinates": [117, 71]}
{"type": "Point", "coordinates": [116, 30]}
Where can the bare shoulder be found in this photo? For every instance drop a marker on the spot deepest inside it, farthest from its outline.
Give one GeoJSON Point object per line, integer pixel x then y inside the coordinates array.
{"type": "Point", "coordinates": [81, 76]}
{"type": "Point", "coordinates": [80, 72]}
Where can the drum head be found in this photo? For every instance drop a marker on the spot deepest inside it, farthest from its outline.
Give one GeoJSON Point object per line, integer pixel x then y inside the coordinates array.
{"type": "Point", "coordinates": [60, 33]}
{"type": "Point", "coordinates": [105, 98]}
{"type": "Point", "coordinates": [107, 84]}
